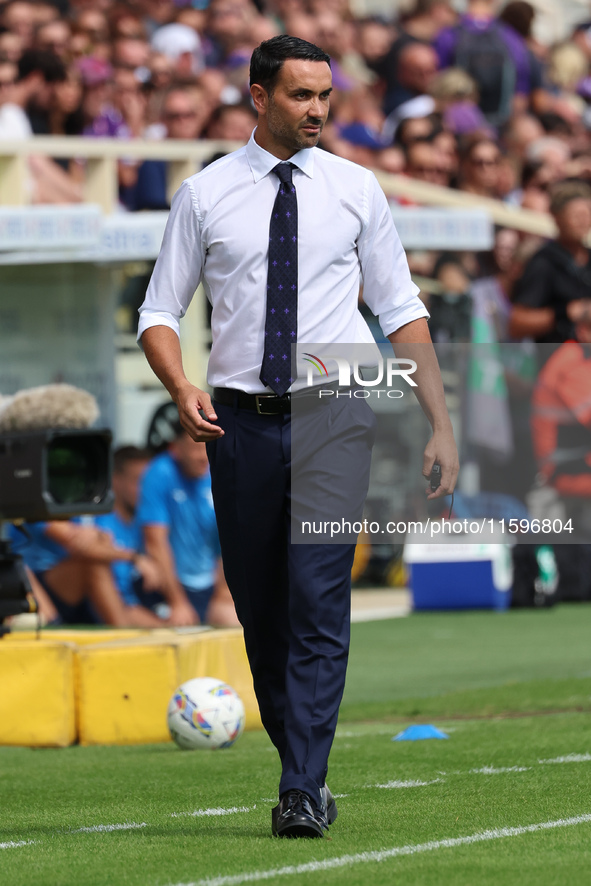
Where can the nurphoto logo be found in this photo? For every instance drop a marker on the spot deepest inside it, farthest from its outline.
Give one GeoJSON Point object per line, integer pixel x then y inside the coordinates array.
{"type": "Point", "coordinates": [349, 373]}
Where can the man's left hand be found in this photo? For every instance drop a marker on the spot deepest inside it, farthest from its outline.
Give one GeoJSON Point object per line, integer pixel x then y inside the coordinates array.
{"type": "Point", "coordinates": [442, 449]}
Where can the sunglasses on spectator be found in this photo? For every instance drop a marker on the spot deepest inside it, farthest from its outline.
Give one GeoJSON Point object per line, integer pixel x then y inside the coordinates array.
{"type": "Point", "coordinates": [424, 169]}
{"type": "Point", "coordinates": [484, 161]}
{"type": "Point", "coordinates": [180, 115]}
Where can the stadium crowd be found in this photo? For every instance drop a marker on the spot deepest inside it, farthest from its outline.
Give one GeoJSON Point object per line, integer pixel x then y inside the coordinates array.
{"type": "Point", "coordinates": [472, 102]}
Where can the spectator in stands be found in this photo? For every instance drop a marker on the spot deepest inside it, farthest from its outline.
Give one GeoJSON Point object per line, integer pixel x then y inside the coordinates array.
{"type": "Point", "coordinates": [182, 47]}
{"type": "Point", "coordinates": [420, 25]}
{"type": "Point", "coordinates": [412, 128]}
{"type": "Point", "coordinates": [428, 18]}
{"type": "Point", "coordinates": [38, 73]}
{"type": "Point", "coordinates": [124, 22]}
{"type": "Point", "coordinates": [479, 167]}
{"type": "Point", "coordinates": [520, 15]}
{"type": "Point", "coordinates": [555, 289]}
{"type": "Point", "coordinates": [8, 75]}
{"type": "Point", "coordinates": [493, 292]}
{"type": "Point", "coordinates": [229, 30]}
{"type": "Point", "coordinates": [73, 563]}
{"type": "Point", "coordinates": [520, 131]}
{"type": "Point", "coordinates": [446, 146]}
{"type": "Point", "coordinates": [416, 68]}
{"type": "Point", "coordinates": [456, 98]}
{"type": "Point", "coordinates": [132, 53]}
{"type": "Point", "coordinates": [232, 122]}
{"type": "Point", "coordinates": [337, 38]}
{"type": "Point", "coordinates": [374, 39]}
{"type": "Point", "coordinates": [18, 17]}
{"type": "Point", "coordinates": [425, 163]}
{"type": "Point", "coordinates": [493, 54]}
{"type": "Point", "coordinates": [55, 37]}
{"type": "Point", "coordinates": [130, 100]}
{"type": "Point", "coordinates": [552, 155]}
{"type": "Point", "coordinates": [180, 533]}
{"type": "Point", "coordinates": [533, 193]}
{"type": "Point", "coordinates": [182, 118]}
{"type": "Point", "coordinates": [90, 35]}
{"type": "Point", "coordinates": [101, 118]}
{"type": "Point", "coordinates": [11, 46]}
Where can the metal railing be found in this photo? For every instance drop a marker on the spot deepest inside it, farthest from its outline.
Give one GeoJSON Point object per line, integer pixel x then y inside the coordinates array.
{"type": "Point", "coordinates": [101, 155]}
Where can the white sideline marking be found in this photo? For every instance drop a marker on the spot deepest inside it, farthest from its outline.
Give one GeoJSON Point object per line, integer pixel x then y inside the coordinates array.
{"type": "Point", "coordinates": [383, 854]}
{"type": "Point", "coordinates": [14, 844]}
{"type": "Point", "coordinates": [570, 758]}
{"type": "Point", "coordinates": [107, 828]}
{"type": "Point", "coordinates": [407, 784]}
{"type": "Point", "coordinates": [217, 811]}
{"type": "Point", "coordinates": [490, 770]}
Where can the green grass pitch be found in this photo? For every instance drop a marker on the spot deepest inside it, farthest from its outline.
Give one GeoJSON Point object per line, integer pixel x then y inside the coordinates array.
{"type": "Point", "coordinates": [505, 800]}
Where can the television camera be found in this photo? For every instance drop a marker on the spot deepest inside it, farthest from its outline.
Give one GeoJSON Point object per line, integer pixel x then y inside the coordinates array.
{"type": "Point", "coordinates": [46, 474]}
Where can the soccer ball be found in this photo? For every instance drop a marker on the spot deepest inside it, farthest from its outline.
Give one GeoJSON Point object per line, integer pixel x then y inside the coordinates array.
{"type": "Point", "coordinates": [205, 713]}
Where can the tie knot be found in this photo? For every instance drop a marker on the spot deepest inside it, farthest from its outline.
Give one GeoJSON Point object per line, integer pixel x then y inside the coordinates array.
{"type": "Point", "coordinates": [283, 172]}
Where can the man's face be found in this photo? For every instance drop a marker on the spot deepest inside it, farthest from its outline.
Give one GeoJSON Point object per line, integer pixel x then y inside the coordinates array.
{"type": "Point", "coordinates": [126, 483]}
{"type": "Point", "coordinates": [295, 112]}
{"type": "Point", "coordinates": [190, 456]}
{"type": "Point", "coordinates": [180, 114]}
{"type": "Point", "coordinates": [574, 220]}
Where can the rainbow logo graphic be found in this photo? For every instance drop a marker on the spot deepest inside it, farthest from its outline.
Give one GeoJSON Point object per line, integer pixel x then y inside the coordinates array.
{"type": "Point", "coordinates": [190, 713]}
{"type": "Point", "coordinates": [220, 691]}
{"type": "Point", "coordinates": [317, 363]}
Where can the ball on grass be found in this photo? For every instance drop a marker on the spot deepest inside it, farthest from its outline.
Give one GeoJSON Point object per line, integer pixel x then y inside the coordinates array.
{"type": "Point", "coordinates": [205, 713]}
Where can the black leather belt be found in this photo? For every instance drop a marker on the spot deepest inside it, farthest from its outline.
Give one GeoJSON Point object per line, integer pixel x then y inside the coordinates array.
{"type": "Point", "coordinates": [264, 404]}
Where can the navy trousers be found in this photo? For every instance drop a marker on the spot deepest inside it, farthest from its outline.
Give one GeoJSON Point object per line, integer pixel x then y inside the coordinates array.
{"type": "Point", "coordinates": [293, 600]}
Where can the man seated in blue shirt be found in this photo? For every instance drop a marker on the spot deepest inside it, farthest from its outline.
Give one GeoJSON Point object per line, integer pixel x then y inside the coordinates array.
{"type": "Point", "coordinates": [180, 532]}
{"type": "Point", "coordinates": [139, 582]}
{"type": "Point", "coordinates": [72, 560]}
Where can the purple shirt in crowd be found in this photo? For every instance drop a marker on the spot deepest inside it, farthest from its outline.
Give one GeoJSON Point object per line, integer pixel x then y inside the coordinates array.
{"type": "Point", "coordinates": [446, 41]}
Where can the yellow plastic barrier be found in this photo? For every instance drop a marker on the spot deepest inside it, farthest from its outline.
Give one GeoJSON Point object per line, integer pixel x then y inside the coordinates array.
{"type": "Point", "coordinates": [113, 687]}
{"type": "Point", "coordinates": [78, 637]}
{"type": "Point", "coordinates": [124, 686]}
{"type": "Point", "coordinates": [37, 702]}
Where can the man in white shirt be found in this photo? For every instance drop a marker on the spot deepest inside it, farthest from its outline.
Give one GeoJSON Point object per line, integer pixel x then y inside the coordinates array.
{"type": "Point", "coordinates": [292, 599]}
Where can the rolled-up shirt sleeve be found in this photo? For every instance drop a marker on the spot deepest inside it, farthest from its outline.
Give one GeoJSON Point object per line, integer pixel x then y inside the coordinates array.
{"type": "Point", "coordinates": [387, 286]}
{"type": "Point", "coordinates": [178, 270]}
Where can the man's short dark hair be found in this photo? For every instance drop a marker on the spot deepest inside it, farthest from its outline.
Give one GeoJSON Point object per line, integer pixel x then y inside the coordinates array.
{"type": "Point", "coordinates": [45, 62]}
{"type": "Point", "coordinates": [268, 58]}
{"type": "Point", "coordinates": [565, 192]}
{"type": "Point", "coordinates": [125, 454]}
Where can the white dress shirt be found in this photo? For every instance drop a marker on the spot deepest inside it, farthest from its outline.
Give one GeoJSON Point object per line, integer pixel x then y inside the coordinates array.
{"type": "Point", "coordinates": [218, 233]}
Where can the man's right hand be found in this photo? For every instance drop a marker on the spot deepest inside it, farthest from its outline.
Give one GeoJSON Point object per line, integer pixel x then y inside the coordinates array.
{"type": "Point", "coordinates": [191, 401]}
{"type": "Point", "coordinates": [182, 614]}
{"type": "Point", "coordinates": [162, 348]}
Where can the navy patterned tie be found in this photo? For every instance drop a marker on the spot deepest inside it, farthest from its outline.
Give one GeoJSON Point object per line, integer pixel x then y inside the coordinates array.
{"type": "Point", "coordinates": [281, 324]}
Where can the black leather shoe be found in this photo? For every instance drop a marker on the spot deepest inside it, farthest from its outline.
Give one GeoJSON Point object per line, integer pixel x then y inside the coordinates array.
{"type": "Point", "coordinates": [328, 811]}
{"type": "Point", "coordinates": [295, 817]}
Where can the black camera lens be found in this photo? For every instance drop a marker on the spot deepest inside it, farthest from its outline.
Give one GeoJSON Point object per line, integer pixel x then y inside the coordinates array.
{"type": "Point", "coordinates": [76, 469]}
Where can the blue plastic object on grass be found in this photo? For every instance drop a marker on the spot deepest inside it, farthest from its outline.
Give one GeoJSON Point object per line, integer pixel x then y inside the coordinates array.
{"type": "Point", "coordinates": [419, 733]}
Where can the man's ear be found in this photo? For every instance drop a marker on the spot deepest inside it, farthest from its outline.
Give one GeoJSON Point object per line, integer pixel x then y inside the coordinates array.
{"type": "Point", "coordinates": [260, 98]}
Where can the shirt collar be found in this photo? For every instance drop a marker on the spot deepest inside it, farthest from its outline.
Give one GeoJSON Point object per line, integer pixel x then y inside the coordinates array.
{"type": "Point", "coordinates": [262, 162]}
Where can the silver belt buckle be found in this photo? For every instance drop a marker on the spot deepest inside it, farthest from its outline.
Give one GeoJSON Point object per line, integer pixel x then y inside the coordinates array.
{"type": "Point", "coordinates": [259, 397]}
